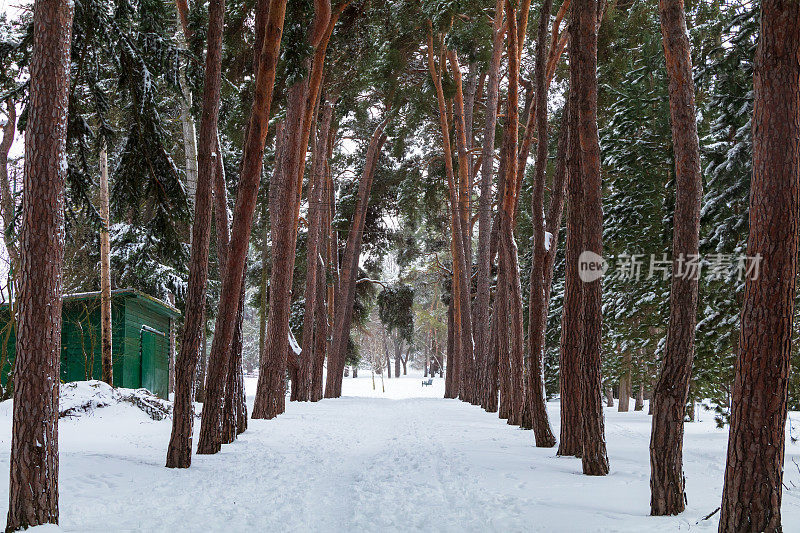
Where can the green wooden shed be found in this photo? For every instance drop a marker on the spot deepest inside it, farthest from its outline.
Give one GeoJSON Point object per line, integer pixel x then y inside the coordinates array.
{"type": "Point", "coordinates": [141, 340]}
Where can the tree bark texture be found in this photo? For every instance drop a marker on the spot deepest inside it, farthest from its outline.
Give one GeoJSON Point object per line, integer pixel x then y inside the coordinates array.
{"type": "Point", "coordinates": [283, 197]}
{"type": "Point", "coordinates": [593, 456]}
{"type": "Point", "coordinates": [537, 314]}
{"type": "Point", "coordinates": [467, 390]}
{"type": "Point", "coordinates": [210, 439]}
{"type": "Point", "coordinates": [571, 343]}
{"type": "Point", "coordinates": [462, 320]}
{"type": "Point", "coordinates": [179, 452]}
{"type": "Point", "coordinates": [33, 484]}
{"type": "Point", "coordinates": [667, 494]}
{"type": "Point", "coordinates": [449, 387]}
{"type": "Point", "coordinates": [482, 298]}
{"type": "Point", "coordinates": [313, 305]}
{"type": "Point", "coordinates": [751, 497]}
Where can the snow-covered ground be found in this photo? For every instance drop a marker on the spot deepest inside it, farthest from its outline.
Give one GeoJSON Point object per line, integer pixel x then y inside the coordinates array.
{"type": "Point", "coordinates": [403, 460]}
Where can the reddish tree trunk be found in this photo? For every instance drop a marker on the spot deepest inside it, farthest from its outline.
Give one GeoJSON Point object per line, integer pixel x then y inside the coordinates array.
{"type": "Point", "coordinates": [222, 225]}
{"type": "Point", "coordinates": [509, 267]}
{"type": "Point", "coordinates": [179, 453]}
{"type": "Point", "coordinates": [534, 390]}
{"type": "Point", "coordinates": [482, 298]}
{"type": "Point", "coordinates": [467, 363]}
{"type": "Point", "coordinates": [666, 441]}
{"type": "Point", "coordinates": [302, 98]}
{"type": "Point", "coordinates": [283, 196]}
{"type": "Point", "coordinates": [249, 180]}
{"type": "Point", "coordinates": [593, 456]}
{"type": "Point", "coordinates": [571, 343]}
{"type": "Point", "coordinates": [491, 368]}
{"type": "Point", "coordinates": [462, 319]}
{"type": "Point", "coordinates": [500, 325]}
{"type": "Point", "coordinates": [234, 410]}
{"type": "Point", "coordinates": [33, 485]}
{"type": "Point", "coordinates": [315, 230]}
{"type": "Point", "coordinates": [751, 498]}
{"type": "Point", "coordinates": [449, 387]}
{"type": "Point", "coordinates": [321, 212]}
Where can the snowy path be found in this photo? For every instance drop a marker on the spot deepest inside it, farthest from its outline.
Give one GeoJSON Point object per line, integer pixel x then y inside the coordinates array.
{"type": "Point", "coordinates": [368, 462]}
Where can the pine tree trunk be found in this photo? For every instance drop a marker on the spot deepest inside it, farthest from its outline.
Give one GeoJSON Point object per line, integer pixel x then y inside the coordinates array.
{"type": "Point", "coordinates": [449, 386]}
{"type": "Point", "coordinates": [105, 273]}
{"type": "Point", "coordinates": [33, 485]}
{"type": "Point", "coordinates": [625, 388]}
{"type": "Point", "coordinates": [210, 431]}
{"type": "Point", "coordinates": [320, 338]}
{"type": "Point", "coordinates": [345, 299]}
{"type": "Point", "coordinates": [571, 343]}
{"type": "Point", "coordinates": [482, 299]}
{"type": "Point", "coordinates": [467, 363]}
{"type": "Point", "coordinates": [264, 307]}
{"type": "Point", "coordinates": [639, 405]}
{"type": "Point", "coordinates": [666, 441]}
{"type": "Point", "coordinates": [200, 373]}
{"type": "Point", "coordinates": [609, 396]}
{"type": "Point", "coordinates": [222, 225]}
{"type": "Point", "coordinates": [462, 320]}
{"type": "Point", "coordinates": [509, 266]}
{"type": "Point", "coordinates": [326, 134]}
{"type": "Point", "coordinates": [283, 197]}
{"type": "Point", "coordinates": [535, 394]}
{"type": "Point", "coordinates": [315, 230]}
{"type": "Point", "coordinates": [233, 397]}
{"type": "Point", "coordinates": [501, 346]}
{"type": "Point", "coordinates": [593, 456]}
{"type": "Point", "coordinates": [179, 452]}
{"type": "Point", "coordinates": [490, 403]}
{"type": "Point", "coordinates": [751, 498]}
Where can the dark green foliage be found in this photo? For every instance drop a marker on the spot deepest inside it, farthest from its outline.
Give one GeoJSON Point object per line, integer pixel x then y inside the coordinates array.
{"type": "Point", "coordinates": [395, 309]}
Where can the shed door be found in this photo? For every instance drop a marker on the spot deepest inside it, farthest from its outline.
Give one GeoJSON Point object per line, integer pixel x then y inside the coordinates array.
{"type": "Point", "coordinates": [151, 342]}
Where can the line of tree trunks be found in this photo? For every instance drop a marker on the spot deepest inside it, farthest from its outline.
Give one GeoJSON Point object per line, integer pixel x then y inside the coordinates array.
{"type": "Point", "coordinates": [33, 484]}
{"type": "Point", "coordinates": [536, 402]}
{"type": "Point", "coordinates": [467, 390]}
{"type": "Point", "coordinates": [328, 272]}
{"type": "Point", "coordinates": [286, 192]}
{"type": "Point", "coordinates": [210, 439]}
{"type": "Point", "coordinates": [509, 296]}
{"type": "Point", "coordinates": [314, 329]}
{"type": "Point", "coordinates": [751, 497]}
{"type": "Point", "coordinates": [667, 495]}
{"type": "Point", "coordinates": [593, 456]}
{"type": "Point", "coordinates": [346, 293]}
{"type": "Point", "coordinates": [462, 319]}
{"type": "Point", "coordinates": [179, 452]}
